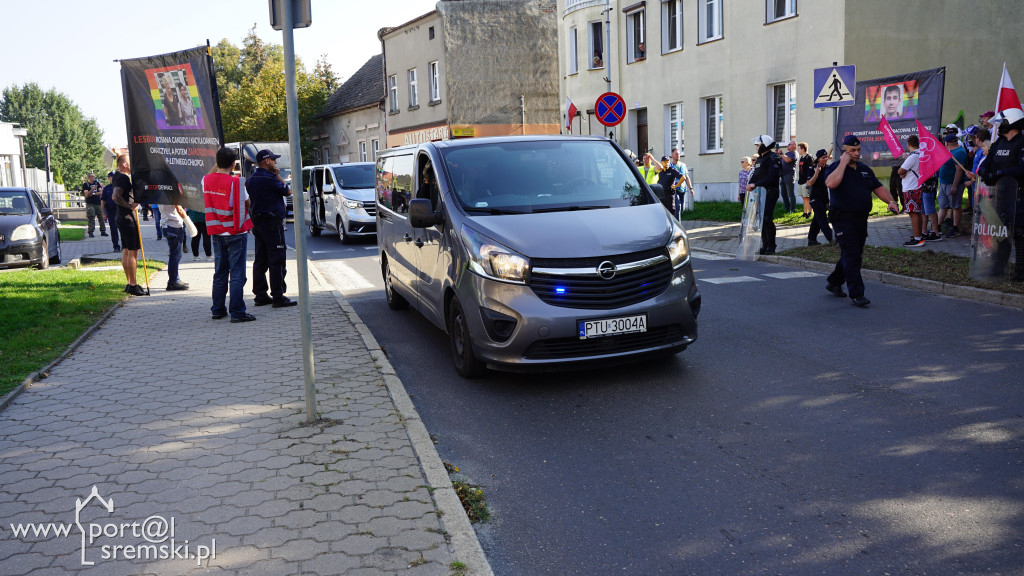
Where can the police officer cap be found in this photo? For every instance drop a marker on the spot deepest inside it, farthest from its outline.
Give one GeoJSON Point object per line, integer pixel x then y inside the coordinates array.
{"type": "Point", "coordinates": [851, 140]}
{"type": "Point", "coordinates": [110, 174]}
{"type": "Point", "coordinates": [820, 153]}
{"type": "Point", "coordinates": [764, 140]}
{"type": "Point", "coordinates": [264, 154]}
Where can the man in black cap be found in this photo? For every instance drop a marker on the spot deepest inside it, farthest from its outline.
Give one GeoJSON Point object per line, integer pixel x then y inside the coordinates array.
{"type": "Point", "coordinates": [851, 184]}
{"type": "Point", "coordinates": [267, 192]}
{"type": "Point", "coordinates": [766, 173]}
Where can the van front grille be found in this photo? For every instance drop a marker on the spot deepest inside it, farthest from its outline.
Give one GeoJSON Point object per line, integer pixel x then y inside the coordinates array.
{"type": "Point", "coordinates": [575, 286]}
{"type": "Point", "coordinates": [555, 348]}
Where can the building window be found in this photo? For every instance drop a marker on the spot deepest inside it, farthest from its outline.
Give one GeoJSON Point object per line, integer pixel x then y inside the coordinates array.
{"type": "Point", "coordinates": [374, 147]}
{"type": "Point", "coordinates": [430, 32]}
{"type": "Point", "coordinates": [393, 93]}
{"type": "Point", "coordinates": [573, 52]}
{"type": "Point", "coordinates": [779, 10]}
{"type": "Point", "coordinates": [709, 20]}
{"type": "Point", "coordinates": [671, 25]}
{"type": "Point", "coordinates": [782, 111]}
{"type": "Point", "coordinates": [327, 155]}
{"type": "Point", "coordinates": [414, 99]}
{"type": "Point", "coordinates": [362, 150]}
{"type": "Point", "coordinates": [712, 112]}
{"type": "Point", "coordinates": [674, 130]}
{"type": "Point", "coordinates": [636, 36]}
{"type": "Point", "coordinates": [595, 42]}
{"type": "Point", "coordinates": [435, 83]}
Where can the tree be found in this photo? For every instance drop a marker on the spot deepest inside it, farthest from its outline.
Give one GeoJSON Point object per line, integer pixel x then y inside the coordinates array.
{"type": "Point", "coordinates": [76, 142]}
{"type": "Point", "coordinates": [251, 84]}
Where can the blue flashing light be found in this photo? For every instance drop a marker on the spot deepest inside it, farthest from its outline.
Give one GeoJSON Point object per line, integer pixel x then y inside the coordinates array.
{"type": "Point", "coordinates": [559, 290]}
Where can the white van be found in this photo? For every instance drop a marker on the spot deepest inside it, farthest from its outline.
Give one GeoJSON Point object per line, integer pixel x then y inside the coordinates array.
{"type": "Point", "coordinates": [340, 198]}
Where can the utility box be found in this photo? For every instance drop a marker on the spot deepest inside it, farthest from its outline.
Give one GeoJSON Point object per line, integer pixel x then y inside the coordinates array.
{"type": "Point", "coordinates": [301, 14]}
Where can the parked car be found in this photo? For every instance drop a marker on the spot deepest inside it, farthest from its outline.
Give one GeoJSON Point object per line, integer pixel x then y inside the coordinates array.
{"type": "Point", "coordinates": [28, 230]}
{"type": "Point", "coordinates": [534, 252]}
{"type": "Point", "coordinates": [340, 198]}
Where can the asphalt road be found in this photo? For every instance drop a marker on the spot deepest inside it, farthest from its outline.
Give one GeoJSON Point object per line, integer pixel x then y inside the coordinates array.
{"type": "Point", "coordinates": [799, 435]}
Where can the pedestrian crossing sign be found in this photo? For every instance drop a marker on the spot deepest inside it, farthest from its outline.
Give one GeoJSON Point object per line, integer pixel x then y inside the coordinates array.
{"type": "Point", "coordinates": [834, 86]}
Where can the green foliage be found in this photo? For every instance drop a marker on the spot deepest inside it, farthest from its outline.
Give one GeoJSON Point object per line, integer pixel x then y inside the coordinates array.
{"type": "Point", "coordinates": [251, 83]}
{"type": "Point", "coordinates": [76, 142]}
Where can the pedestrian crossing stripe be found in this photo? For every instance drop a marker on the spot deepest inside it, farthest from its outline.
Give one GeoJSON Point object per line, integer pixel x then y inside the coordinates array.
{"type": "Point", "coordinates": [729, 279]}
{"type": "Point", "coordinates": [775, 275]}
{"type": "Point", "coordinates": [702, 256]}
{"type": "Point", "coordinates": [834, 86]}
{"type": "Point", "coordinates": [788, 275]}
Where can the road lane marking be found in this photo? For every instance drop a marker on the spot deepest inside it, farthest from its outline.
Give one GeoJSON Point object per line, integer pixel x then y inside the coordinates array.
{"type": "Point", "coordinates": [701, 256]}
{"type": "Point", "coordinates": [729, 279]}
{"type": "Point", "coordinates": [788, 275]}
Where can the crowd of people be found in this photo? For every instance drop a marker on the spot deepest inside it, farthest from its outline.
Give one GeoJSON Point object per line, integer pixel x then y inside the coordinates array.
{"type": "Point", "coordinates": [231, 211]}
{"type": "Point", "coordinates": [671, 174]}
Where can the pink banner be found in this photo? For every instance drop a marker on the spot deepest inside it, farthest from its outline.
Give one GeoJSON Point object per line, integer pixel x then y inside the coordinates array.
{"type": "Point", "coordinates": [933, 153]}
{"type": "Point", "coordinates": [891, 140]}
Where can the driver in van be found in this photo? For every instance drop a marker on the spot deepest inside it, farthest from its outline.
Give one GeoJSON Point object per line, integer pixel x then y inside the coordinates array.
{"type": "Point", "coordinates": [428, 185]}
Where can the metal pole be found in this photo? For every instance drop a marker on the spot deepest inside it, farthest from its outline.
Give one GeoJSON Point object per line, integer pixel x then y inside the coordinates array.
{"type": "Point", "coordinates": [835, 119]}
{"type": "Point", "coordinates": [299, 228]}
{"type": "Point", "coordinates": [608, 50]}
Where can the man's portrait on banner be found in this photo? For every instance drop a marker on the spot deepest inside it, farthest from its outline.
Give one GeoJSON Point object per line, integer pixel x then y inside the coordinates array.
{"type": "Point", "coordinates": [891, 101]}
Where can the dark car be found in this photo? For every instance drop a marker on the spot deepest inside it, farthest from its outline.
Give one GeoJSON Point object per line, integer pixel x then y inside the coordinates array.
{"type": "Point", "coordinates": [28, 230]}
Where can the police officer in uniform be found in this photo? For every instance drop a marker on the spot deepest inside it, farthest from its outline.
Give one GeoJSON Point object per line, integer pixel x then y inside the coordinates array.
{"type": "Point", "coordinates": [1004, 167]}
{"type": "Point", "coordinates": [851, 184]}
{"type": "Point", "coordinates": [267, 192]}
{"type": "Point", "coordinates": [767, 171]}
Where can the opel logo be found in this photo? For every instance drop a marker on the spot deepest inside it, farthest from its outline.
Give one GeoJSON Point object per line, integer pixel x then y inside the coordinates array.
{"type": "Point", "coordinates": [606, 270]}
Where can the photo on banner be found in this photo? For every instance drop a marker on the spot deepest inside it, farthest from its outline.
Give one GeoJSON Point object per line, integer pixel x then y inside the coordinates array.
{"type": "Point", "coordinates": [173, 124]}
{"type": "Point", "coordinates": [900, 101]}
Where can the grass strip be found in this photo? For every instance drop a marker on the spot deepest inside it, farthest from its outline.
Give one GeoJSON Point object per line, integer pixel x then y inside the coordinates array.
{"type": "Point", "coordinates": [916, 263]}
{"type": "Point", "coordinates": [733, 212]}
{"type": "Point", "coordinates": [71, 234]}
{"type": "Point", "coordinates": [47, 310]}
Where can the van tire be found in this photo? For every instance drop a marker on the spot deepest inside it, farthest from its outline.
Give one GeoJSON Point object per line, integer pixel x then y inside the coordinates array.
{"type": "Point", "coordinates": [314, 231]}
{"type": "Point", "coordinates": [342, 237]}
{"type": "Point", "coordinates": [395, 300]}
{"type": "Point", "coordinates": [461, 344]}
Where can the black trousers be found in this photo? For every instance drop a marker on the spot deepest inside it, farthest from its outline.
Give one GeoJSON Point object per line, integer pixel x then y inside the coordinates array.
{"type": "Point", "coordinates": [271, 254]}
{"type": "Point", "coordinates": [771, 198]}
{"type": "Point", "coordinates": [820, 222]}
{"type": "Point", "coordinates": [851, 231]}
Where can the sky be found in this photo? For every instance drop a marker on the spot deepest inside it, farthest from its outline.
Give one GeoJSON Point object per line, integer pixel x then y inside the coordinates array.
{"type": "Point", "coordinates": [72, 45]}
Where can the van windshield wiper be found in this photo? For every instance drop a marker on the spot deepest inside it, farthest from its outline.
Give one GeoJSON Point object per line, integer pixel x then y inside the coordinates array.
{"type": "Point", "coordinates": [570, 208]}
{"type": "Point", "coordinates": [494, 211]}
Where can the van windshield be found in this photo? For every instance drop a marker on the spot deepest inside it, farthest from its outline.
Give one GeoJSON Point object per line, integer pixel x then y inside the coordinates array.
{"type": "Point", "coordinates": [354, 176]}
{"type": "Point", "coordinates": [542, 176]}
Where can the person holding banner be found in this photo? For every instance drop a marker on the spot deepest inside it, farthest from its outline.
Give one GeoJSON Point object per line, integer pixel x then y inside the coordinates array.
{"type": "Point", "coordinates": [908, 172]}
{"type": "Point", "coordinates": [1004, 167]}
{"type": "Point", "coordinates": [128, 225]}
{"type": "Point", "coordinates": [852, 184]}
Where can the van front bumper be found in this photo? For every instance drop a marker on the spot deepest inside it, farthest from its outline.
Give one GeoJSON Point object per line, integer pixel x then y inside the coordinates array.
{"type": "Point", "coordinates": [547, 336]}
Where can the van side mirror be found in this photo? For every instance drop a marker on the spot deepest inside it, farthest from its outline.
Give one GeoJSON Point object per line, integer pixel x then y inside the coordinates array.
{"type": "Point", "coordinates": [328, 189]}
{"type": "Point", "coordinates": [422, 215]}
{"type": "Point", "coordinates": [659, 193]}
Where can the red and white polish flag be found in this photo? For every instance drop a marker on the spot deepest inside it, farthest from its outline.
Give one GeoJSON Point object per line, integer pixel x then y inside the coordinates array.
{"type": "Point", "coordinates": [570, 113]}
{"type": "Point", "coordinates": [1007, 97]}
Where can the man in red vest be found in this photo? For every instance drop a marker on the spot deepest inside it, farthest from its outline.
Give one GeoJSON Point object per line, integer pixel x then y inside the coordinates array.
{"type": "Point", "coordinates": [227, 221]}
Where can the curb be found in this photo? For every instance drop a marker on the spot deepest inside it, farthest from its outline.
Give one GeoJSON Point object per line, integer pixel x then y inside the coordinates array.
{"type": "Point", "coordinates": [464, 541]}
{"type": "Point", "coordinates": [45, 370]}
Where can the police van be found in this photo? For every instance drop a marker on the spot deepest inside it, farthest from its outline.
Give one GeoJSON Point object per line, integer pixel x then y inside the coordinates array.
{"type": "Point", "coordinates": [534, 252]}
{"type": "Point", "coordinates": [339, 198]}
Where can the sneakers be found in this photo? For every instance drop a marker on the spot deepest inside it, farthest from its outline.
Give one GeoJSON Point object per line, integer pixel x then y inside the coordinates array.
{"type": "Point", "coordinates": [932, 237]}
{"type": "Point", "coordinates": [243, 318]}
{"type": "Point", "coordinates": [836, 290]}
{"type": "Point", "coordinates": [135, 290]}
{"type": "Point", "coordinates": [179, 285]}
{"type": "Point", "coordinates": [861, 301]}
{"type": "Point", "coordinates": [953, 233]}
{"type": "Point", "coordinates": [104, 233]}
{"type": "Point", "coordinates": [915, 242]}
{"type": "Point", "coordinates": [92, 236]}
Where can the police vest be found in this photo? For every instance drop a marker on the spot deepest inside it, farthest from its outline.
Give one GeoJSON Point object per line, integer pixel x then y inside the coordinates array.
{"type": "Point", "coordinates": [225, 211]}
{"type": "Point", "coordinates": [1005, 154]}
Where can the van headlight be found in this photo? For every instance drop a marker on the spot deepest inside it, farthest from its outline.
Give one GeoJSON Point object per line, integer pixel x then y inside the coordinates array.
{"type": "Point", "coordinates": [492, 260]}
{"type": "Point", "coordinates": [678, 247]}
{"type": "Point", "coordinates": [352, 204]}
{"type": "Point", "coordinates": [24, 232]}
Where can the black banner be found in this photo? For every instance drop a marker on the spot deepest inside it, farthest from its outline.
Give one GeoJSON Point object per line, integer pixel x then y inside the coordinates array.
{"type": "Point", "coordinates": [900, 100]}
{"type": "Point", "coordinates": [174, 128]}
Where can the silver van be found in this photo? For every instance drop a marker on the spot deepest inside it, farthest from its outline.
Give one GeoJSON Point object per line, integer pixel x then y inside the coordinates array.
{"type": "Point", "coordinates": [534, 251]}
{"type": "Point", "coordinates": [339, 198]}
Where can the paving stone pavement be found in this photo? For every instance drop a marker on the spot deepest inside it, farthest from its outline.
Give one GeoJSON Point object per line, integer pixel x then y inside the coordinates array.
{"type": "Point", "coordinates": [175, 417]}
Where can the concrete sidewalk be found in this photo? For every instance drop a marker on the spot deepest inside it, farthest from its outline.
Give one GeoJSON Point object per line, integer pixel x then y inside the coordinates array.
{"type": "Point", "coordinates": [192, 429]}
